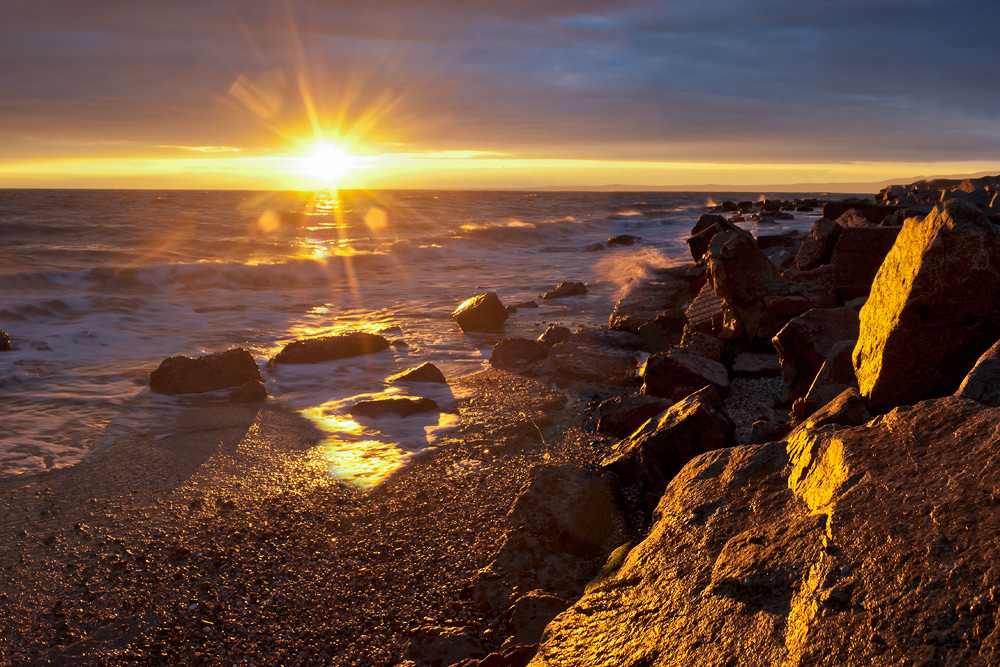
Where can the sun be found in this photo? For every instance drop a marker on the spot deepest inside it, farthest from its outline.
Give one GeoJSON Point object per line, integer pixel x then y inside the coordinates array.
{"type": "Point", "coordinates": [329, 163]}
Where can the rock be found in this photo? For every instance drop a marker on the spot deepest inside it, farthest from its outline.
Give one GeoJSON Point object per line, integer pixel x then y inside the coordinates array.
{"type": "Point", "coordinates": [933, 309]}
{"type": "Point", "coordinates": [655, 453]}
{"type": "Point", "coordinates": [756, 365]}
{"type": "Point", "coordinates": [762, 431]}
{"type": "Point", "coordinates": [834, 377]}
{"type": "Point", "coordinates": [664, 331]}
{"type": "Point", "coordinates": [677, 373]}
{"type": "Point", "coordinates": [871, 545]}
{"type": "Point", "coordinates": [195, 375]}
{"type": "Point", "coordinates": [644, 301]}
{"type": "Point", "coordinates": [517, 656]}
{"type": "Point", "coordinates": [857, 257]}
{"type": "Point", "coordinates": [847, 409]}
{"type": "Point", "coordinates": [591, 356]}
{"type": "Point", "coordinates": [252, 391]}
{"type": "Point", "coordinates": [853, 218]}
{"type": "Point", "coordinates": [621, 416]}
{"type": "Point", "coordinates": [426, 372]}
{"type": "Point", "coordinates": [704, 345]}
{"type": "Point", "coordinates": [560, 530]}
{"type": "Point", "coordinates": [623, 240]}
{"type": "Point", "coordinates": [399, 406]}
{"type": "Point", "coordinates": [532, 612]}
{"type": "Point", "coordinates": [565, 289]}
{"type": "Point", "coordinates": [4, 341]}
{"type": "Point", "coordinates": [873, 213]}
{"type": "Point", "coordinates": [782, 259]}
{"type": "Point", "coordinates": [441, 647]}
{"type": "Point", "coordinates": [817, 249]}
{"type": "Point", "coordinates": [819, 285]}
{"type": "Point", "coordinates": [484, 313]}
{"type": "Point", "coordinates": [983, 381]}
{"type": "Point", "coordinates": [704, 231]}
{"type": "Point", "coordinates": [594, 247]}
{"type": "Point", "coordinates": [526, 304]}
{"type": "Point", "coordinates": [515, 354]}
{"type": "Point", "coordinates": [807, 341]}
{"type": "Point", "coordinates": [555, 334]}
{"type": "Point", "coordinates": [327, 348]}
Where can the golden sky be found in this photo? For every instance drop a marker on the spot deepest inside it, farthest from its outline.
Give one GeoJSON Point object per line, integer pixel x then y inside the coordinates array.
{"type": "Point", "coordinates": [482, 94]}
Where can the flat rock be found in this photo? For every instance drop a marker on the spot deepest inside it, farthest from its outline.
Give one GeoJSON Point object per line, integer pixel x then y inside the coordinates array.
{"type": "Point", "coordinates": [756, 365]}
{"type": "Point", "coordinates": [871, 545]}
{"type": "Point", "coordinates": [483, 313]}
{"type": "Point", "coordinates": [515, 354]}
{"type": "Point", "coordinates": [677, 373]}
{"type": "Point", "coordinates": [195, 375]}
{"type": "Point", "coordinates": [328, 348]}
{"type": "Point", "coordinates": [425, 372]}
{"type": "Point", "coordinates": [645, 300]}
{"type": "Point", "coordinates": [591, 356]}
{"type": "Point", "coordinates": [664, 331]}
{"type": "Point", "coordinates": [399, 406]}
{"type": "Point", "coordinates": [933, 310]}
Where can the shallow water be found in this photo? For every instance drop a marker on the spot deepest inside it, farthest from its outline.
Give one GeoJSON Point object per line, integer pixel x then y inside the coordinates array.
{"type": "Point", "coordinates": [98, 286]}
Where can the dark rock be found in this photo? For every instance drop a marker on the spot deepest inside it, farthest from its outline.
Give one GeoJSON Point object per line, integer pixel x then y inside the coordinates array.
{"type": "Point", "coordinates": [621, 416]}
{"type": "Point", "coordinates": [559, 532]}
{"type": "Point", "coordinates": [515, 354]}
{"type": "Point", "coordinates": [817, 249]}
{"type": "Point", "coordinates": [782, 259]}
{"type": "Point", "coordinates": [483, 313]}
{"type": "Point", "coordinates": [526, 304]}
{"type": "Point", "coordinates": [704, 345]}
{"type": "Point", "coordinates": [426, 372]}
{"type": "Point", "coordinates": [983, 381]}
{"type": "Point", "coordinates": [704, 315]}
{"type": "Point", "coordinates": [532, 612]}
{"type": "Point", "coordinates": [743, 278]}
{"type": "Point", "coordinates": [789, 240]}
{"type": "Point", "coordinates": [654, 454]}
{"type": "Point", "coordinates": [853, 218]}
{"type": "Point", "coordinates": [252, 391]}
{"type": "Point", "coordinates": [194, 375]}
{"type": "Point", "coordinates": [399, 406]}
{"type": "Point", "coordinates": [762, 431]}
{"type": "Point", "coordinates": [873, 213]}
{"type": "Point", "coordinates": [594, 247]}
{"type": "Point", "coordinates": [703, 233]}
{"type": "Point", "coordinates": [4, 341]}
{"type": "Point", "coordinates": [834, 377]}
{"type": "Point", "coordinates": [807, 341]}
{"type": "Point", "coordinates": [623, 240]}
{"type": "Point", "coordinates": [819, 285]}
{"type": "Point", "coordinates": [706, 221]}
{"type": "Point", "coordinates": [756, 365]}
{"type": "Point", "coordinates": [783, 551]}
{"type": "Point", "coordinates": [442, 646]}
{"type": "Point", "coordinates": [933, 310]}
{"type": "Point", "coordinates": [664, 331]}
{"type": "Point", "coordinates": [517, 656]}
{"type": "Point", "coordinates": [565, 289]}
{"type": "Point", "coordinates": [857, 256]}
{"type": "Point", "coordinates": [846, 409]}
{"type": "Point", "coordinates": [644, 301]}
{"type": "Point", "coordinates": [677, 373]}
{"type": "Point", "coordinates": [555, 334]}
{"type": "Point", "coordinates": [327, 348]}
{"type": "Point", "coordinates": [591, 356]}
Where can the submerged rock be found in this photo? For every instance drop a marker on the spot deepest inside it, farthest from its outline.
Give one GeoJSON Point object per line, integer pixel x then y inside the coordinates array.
{"type": "Point", "coordinates": [622, 240]}
{"type": "Point", "coordinates": [426, 372]}
{"type": "Point", "coordinates": [195, 375]}
{"type": "Point", "coordinates": [934, 308]}
{"type": "Point", "coordinates": [565, 289]}
{"type": "Point", "coordinates": [4, 341]}
{"type": "Point", "coordinates": [483, 313]}
{"type": "Point", "coordinates": [328, 348]}
{"type": "Point", "coordinates": [253, 391]}
{"type": "Point", "coordinates": [400, 406]}
{"type": "Point", "coordinates": [858, 546]}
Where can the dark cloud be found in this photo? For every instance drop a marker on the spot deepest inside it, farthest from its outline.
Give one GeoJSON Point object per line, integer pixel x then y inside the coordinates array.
{"type": "Point", "coordinates": [768, 80]}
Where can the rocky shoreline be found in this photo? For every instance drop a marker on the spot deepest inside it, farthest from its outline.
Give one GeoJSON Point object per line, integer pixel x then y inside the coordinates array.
{"type": "Point", "coordinates": [782, 450]}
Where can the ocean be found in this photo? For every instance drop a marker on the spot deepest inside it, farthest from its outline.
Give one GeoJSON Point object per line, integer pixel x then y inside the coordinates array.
{"type": "Point", "coordinates": [97, 287]}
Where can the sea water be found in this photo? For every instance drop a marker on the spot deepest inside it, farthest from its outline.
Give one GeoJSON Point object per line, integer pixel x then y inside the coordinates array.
{"type": "Point", "coordinates": [97, 287]}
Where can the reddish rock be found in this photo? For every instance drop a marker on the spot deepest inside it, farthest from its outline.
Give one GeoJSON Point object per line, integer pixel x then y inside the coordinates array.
{"type": "Point", "coordinates": [933, 310]}
{"type": "Point", "coordinates": [846, 409]}
{"type": "Point", "coordinates": [591, 356]}
{"type": "Point", "coordinates": [426, 372]}
{"type": "Point", "coordinates": [677, 373]}
{"type": "Point", "coordinates": [565, 289]}
{"type": "Point", "coordinates": [399, 406]}
{"type": "Point", "coordinates": [515, 354]}
{"type": "Point", "coordinates": [328, 348]}
{"type": "Point", "coordinates": [483, 313]}
{"type": "Point", "coordinates": [195, 375]}
{"type": "Point", "coordinates": [756, 365]}
{"type": "Point", "coordinates": [834, 377]}
{"type": "Point", "coordinates": [704, 231]}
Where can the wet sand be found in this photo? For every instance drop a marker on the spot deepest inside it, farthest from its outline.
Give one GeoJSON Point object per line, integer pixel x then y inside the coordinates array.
{"type": "Point", "coordinates": [229, 543]}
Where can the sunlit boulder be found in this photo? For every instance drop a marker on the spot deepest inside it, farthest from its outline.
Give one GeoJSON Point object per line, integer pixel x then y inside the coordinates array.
{"type": "Point", "coordinates": [194, 375]}
{"type": "Point", "coordinates": [327, 348]}
{"type": "Point", "coordinates": [483, 312]}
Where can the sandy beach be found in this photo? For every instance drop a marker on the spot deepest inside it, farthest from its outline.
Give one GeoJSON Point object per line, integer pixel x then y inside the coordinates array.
{"type": "Point", "coordinates": [228, 542]}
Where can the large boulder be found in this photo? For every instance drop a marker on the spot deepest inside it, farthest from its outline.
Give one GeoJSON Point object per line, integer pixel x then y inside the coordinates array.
{"type": "Point", "coordinates": [483, 313]}
{"type": "Point", "coordinates": [559, 532]}
{"type": "Point", "coordinates": [656, 452]}
{"type": "Point", "coordinates": [516, 354]}
{"type": "Point", "coordinates": [807, 341]}
{"type": "Point", "coordinates": [600, 356]}
{"type": "Point", "coordinates": [676, 373]}
{"type": "Point", "coordinates": [933, 310]}
{"type": "Point", "coordinates": [857, 256]}
{"type": "Point", "coordinates": [194, 375]}
{"type": "Point", "coordinates": [818, 246]}
{"type": "Point", "coordinates": [872, 545]}
{"type": "Point", "coordinates": [645, 300]}
{"type": "Point", "coordinates": [704, 230]}
{"type": "Point", "coordinates": [328, 348]}
{"type": "Point", "coordinates": [744, 278]}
